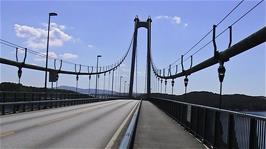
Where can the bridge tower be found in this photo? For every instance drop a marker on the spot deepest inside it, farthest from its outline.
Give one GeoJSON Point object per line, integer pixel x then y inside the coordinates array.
{"type": "Point", "coordinates": [147, 25]}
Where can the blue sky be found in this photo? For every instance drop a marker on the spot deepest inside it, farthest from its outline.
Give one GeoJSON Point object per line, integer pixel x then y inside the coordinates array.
{"type": "Point", "coordinates": [84, 29]}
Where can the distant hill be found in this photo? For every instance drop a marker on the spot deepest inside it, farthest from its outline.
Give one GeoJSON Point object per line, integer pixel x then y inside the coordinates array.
{"type": "Point", "coordinates": [8, 86]}
{"type": "Point", "coordinates": [86, 91]}
{"type": "Point", "coordinates": [231, 102]}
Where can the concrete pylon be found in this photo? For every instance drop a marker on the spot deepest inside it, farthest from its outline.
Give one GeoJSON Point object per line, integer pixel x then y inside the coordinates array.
{"type": "Point", "coordinates": [147, 25]}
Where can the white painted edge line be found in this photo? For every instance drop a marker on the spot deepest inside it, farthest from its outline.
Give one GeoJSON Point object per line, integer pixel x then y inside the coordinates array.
{"type": "Point", "coordinates": [118, 131]}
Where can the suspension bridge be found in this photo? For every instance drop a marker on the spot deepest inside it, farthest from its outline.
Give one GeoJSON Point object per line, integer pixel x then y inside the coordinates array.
{"type": "Point", "coordinates": [126, 118]}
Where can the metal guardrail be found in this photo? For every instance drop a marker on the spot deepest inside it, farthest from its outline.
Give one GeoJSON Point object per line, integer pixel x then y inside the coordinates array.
{"type": "Point", "coordinates": [127, 141]}
{"type": "Point", "coordinates": [16, 102]}
{"type": "Point", "coordinates": [13, 96]}
{"type": "Point", "coordinates": [217, 128]}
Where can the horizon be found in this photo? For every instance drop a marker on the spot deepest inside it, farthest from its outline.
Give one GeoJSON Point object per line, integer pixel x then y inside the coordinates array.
{"type": "Point", "coordinates": [73, 88]}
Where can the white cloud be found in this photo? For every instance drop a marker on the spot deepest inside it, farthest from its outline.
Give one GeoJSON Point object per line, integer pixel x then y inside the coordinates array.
{"type": "Point", "coordinates": [69, 56]}
{"type": "Point", "coordinates": [173, 19]}
{"type": "Point", "coordinates": [185, 24]}
{"type": "Point", "coordinates": [61, 27]}
{"type": "Point", "coordinates": [50, 55]}
{"type": "Point", "coordinates": [176, 19]}
{"type": "Point", "coordinates": [37, 37]}
{"type": "Point", "coordinates": [162, 17]}
{"type": "Point", "coordinates": [90, 45]}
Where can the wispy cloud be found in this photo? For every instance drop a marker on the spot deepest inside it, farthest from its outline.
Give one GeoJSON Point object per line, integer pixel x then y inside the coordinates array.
{"type": "Point", "coordinates": [90, 45]}
{"type": "Point", "coordinates": [173, 19]}
{"type": "Point", "coordinates": [37, 37]}
{"type": "Point", "coordinates": [162, 17]}
{"type": "Point", "coordinates": [68, 56]}
{"type": "Point", "coordinates": [50, 54]}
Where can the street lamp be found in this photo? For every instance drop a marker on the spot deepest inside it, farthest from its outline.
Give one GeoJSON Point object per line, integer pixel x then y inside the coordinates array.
{"type": "Point", "coordinates": [120, 84]}
{"type": "Point", "coordinates": [98, 56]}
{"type": "Point", "coordinates": [173, 83]}
{"type": "Point", "coordinates": [165, 83]}
{"type": "Point", "coordinates": [221, 73]}
{"type": "Point", "coordinates": [186, 82]}
{"type": "Point", "coordinates": [125, 86]}
{"type": "Point", "coordinates": [47, 49]}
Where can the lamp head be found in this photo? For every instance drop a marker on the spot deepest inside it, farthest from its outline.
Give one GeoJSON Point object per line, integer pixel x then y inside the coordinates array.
{"type": "Point", "coordinates": [52, 14]}
{"type": "Point", "coordinates": [186, 81]}
{"type": "Point", "coordinates": [221, 73]}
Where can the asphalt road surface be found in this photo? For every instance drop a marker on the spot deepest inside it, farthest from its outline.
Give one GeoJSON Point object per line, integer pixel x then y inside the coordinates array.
{"type": "Point", "coordinates": [82, 126]}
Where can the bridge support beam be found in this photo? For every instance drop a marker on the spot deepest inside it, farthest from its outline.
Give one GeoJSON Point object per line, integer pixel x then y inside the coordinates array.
{"type": "Point", "coordinates": [149, 57]}
{"type": "Point", "coordinates": [147, 25]}
{"type": "Point", "coordinates": [132, 70]}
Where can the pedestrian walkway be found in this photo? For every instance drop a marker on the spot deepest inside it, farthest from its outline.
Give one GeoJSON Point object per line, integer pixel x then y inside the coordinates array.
{"type": "Point", "coordinates": [156, 130]}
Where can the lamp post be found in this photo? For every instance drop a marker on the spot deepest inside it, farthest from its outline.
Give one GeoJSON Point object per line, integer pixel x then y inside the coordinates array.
{"type": "Point", "coordinates": [186, 82]}
{"type": "Point", "coordinates": [98, 56]}
{"type": "Point", "coordinates": [89, 84]}
{"type": "Point", "coordinates": [113, 73]}
{"type": "Point", "coordinates": [161, 86]}
{"type": "Point", "coordinates": [165, 83]}
{"type": "Point", "coordinates": [125, 86]}
{"type": "Point", "coordinates": [173, 83]}
{"type": "Point", "coordinates": [120, 84]}
{"type": "Point", "coordinates": [47, 48]}
{"type": "Point", "coordinates": [221, 73]}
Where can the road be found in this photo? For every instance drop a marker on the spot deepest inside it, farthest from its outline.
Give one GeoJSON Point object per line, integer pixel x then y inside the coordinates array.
{"type": "Point", "coordinates": [82, 126]}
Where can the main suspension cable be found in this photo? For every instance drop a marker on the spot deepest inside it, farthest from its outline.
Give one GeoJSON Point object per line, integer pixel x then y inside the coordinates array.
{"type": "Point", "coordinates": [235, 22]}
{"type": "Point", "coordinates": [208, 33]}
{"type": "Point", "coordinates": [37, 53]}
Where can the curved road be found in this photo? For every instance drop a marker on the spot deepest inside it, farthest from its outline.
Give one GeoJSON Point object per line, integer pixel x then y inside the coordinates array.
{"type": "Point", "coordinates": [82, 126]}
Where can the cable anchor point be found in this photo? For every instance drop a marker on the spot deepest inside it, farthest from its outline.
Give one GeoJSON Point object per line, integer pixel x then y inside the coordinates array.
{"type": "Point", "coordinates": [21, 64]}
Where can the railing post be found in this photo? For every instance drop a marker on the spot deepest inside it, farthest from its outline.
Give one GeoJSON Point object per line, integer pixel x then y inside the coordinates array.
{"type": "Point", "coordinates": [24, 105]}
{"type": "Point", "coordinates": [252, 133]}
{"type": "Point", "coordinates": [181, 114]}
{"type": "Point", "coordinates": [14, 106]}
{"type": "Point", "coordinates": [197, 121]}
{"type": "Point", "coordinates": [45, 103]}
{"type": "Point", "coordinates": [204, 126]}
{"type": "Point", "coordinates": [230, 131]}
{"type": "Point", "coordinates": [32, 98]}
{"type": "Point", "coordinates": [39, 105]}
{"type": "Point", "coordinates": [3, 100]}
{"type": "Point", "coordinates": [217, 130]}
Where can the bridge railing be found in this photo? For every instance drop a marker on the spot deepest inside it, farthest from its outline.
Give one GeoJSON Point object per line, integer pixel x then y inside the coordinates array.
{"type": "Point", "coordinates": [16, 102]}
{"type": "Point", "coordinates": [13, 96]}
{"type": "Point", "coordinates": [215, 127]}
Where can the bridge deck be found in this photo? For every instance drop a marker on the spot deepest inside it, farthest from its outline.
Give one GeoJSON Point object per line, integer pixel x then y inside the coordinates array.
{"type": "Point", "coordinates": [156, 130]}
{"type": "Point", "coordinates": [82, 126]}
